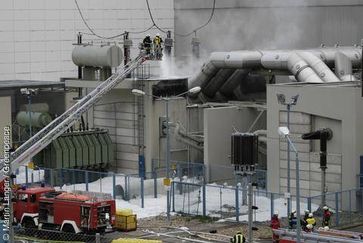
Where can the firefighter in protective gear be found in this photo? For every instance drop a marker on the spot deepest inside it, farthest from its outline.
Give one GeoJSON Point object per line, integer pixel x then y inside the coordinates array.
{"type": "Point", "coordinates": [303, 221]}
{"type": "Point", "coordinates": [275, 224]}
{"type": "Point", "coordinates": [326, 216]}
{"type": "Point", "coordinates": [158, 50]}
{"type": "Point", "coordinates": [309, 228]}
{"type": "Point", "coordinates": [292, 220]}
{"type": "Point", "coordinates": [311, 220]}
{"type": "Point", "coordinates": [147, 44]}
{"type": "Point", "coordinates": [238, 238]}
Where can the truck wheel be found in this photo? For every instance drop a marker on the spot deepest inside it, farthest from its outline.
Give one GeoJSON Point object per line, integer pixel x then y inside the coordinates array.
{"type": "Point", "coordinates": [68, 228]}
{"type": "Point", "coordinates": [28, 223]}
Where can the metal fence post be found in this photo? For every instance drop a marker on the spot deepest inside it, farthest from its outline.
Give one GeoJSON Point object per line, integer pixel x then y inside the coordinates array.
{"type": "Point", "coordinates": [337, 208]}
{"type": "Point", "coordinates": [26, 175]}
{"type": "Point", "coordinates": [173, 195]}
{"type": "Point", "coordinates": [73, 177]}
{"type": "Point", "coordinates": [51, 177]}
{"type": "Point", "coordinates": [86, 179]}
{"type": "Point", "coordinates": [236, 195]}
{"type": "Point", "coordinates": [204, 200]}
{"type": "Point", "coordinates": [350, 205]}
{"type": "Point", "coordinates": [155, 184]}
{"type": "Point", "coordinates": [61, 178]}
{"type": "Point", "coordinates": [114, 185]}
{"type": "Point", "coordinates": [142, 192]}
{"type": "Point", "coordinates": [126, 188]}
{"type": "Point", "coordinates": [100, 176]}
{"type": "Point", "coordinates": [272, 203]}
{"type": "Point", "coordinates": [309, 204]}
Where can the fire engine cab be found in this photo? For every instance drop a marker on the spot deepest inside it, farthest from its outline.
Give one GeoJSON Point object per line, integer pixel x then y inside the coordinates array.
{"type": "Point", "coordinates": [45, 208]}
{"type": "Point", "coordinates": [75, 213]}
{"type": "Point", "coordinates": [26, 205]}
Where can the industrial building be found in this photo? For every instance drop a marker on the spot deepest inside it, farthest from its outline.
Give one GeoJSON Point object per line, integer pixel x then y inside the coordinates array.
{"type": "Point", "coordinates": [242, 54]}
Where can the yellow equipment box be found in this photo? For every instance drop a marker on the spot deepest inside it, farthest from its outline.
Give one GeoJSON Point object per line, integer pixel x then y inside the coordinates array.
{"type": "Point", "coordinates": [124, 212]}
{"type": "Point", "coordinates": [126, 240]}
{"type": "Point", "coordinates": [126, 223]}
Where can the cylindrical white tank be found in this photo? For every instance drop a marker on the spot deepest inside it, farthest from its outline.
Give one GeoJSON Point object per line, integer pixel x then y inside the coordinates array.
{"type": "Point", "coordinates": [38, 119]}
{"type": "Point", "coordinates": [97, 56]}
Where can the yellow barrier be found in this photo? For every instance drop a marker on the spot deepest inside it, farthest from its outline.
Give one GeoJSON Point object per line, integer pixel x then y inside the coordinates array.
{"type": "Point", "coordinates": [128, 240]}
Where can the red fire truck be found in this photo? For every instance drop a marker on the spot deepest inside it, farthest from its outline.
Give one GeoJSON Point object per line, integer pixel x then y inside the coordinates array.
{"type": "Point", "coordinates": [45, 208]}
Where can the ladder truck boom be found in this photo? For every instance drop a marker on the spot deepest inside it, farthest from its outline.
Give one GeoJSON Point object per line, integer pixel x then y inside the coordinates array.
{"type": "Point", "coordinates": [53, 130]}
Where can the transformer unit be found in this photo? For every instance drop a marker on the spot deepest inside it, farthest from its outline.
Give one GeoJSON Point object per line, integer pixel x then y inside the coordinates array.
{"type": "Point", "coordinates": [244, 154]}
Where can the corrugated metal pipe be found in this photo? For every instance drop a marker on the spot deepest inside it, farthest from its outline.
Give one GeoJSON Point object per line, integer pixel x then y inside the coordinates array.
{"type": "Point", "coordinates": [225, 71]}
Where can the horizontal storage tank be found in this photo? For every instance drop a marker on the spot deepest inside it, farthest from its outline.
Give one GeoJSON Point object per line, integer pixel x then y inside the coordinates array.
{"type": "Point", "coordinates": [97, 56]}
{"type": "Point", "coordinates": [38, 119]}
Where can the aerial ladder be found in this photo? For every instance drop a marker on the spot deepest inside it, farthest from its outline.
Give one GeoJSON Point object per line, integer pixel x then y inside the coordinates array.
{"type": "Point", "coordinates": [57, 127]}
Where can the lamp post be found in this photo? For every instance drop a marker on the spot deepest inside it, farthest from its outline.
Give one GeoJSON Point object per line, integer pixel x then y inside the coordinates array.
{"type": "Point", "coordinates": [282, 101]}
{"type": "Point", "coordinates": [138, 92]}
{"type": "Point", "coordinates": [284, 132]}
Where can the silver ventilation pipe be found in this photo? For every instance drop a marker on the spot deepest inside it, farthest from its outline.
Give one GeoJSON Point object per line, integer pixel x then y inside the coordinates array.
{"type": "Point", "coordinates": [301, 70]}
{"type": "Point", "coordinates": [306, 65]}
{"type": "Point", "coordinates": [233, 81]}
{"type": "Point", "coordinates": [343, 67]}
{"type": "Point", "coordinates": [319, 67]}
{"type": "Point", "coordinates": [217, 81]}
{"type": "Point", "coordinates": [228, 60]}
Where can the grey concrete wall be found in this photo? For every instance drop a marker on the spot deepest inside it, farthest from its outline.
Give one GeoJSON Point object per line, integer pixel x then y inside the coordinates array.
{"type": "Point", "coordinates": [218, 128]}
{"type": "Point", "coordinates": [156, 146]}
{"type": "Point", "coordinates": [330, 106]}
{"type": "Point", "coordinates": [250, 24]}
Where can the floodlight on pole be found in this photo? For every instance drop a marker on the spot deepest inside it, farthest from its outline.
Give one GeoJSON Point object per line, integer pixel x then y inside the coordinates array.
{"type": "Point", "coordinates": [284, 132]}
{"type": "Point", "coordinates": [138, 92]}
{"type": "Point", "coordinates": [281, 99]}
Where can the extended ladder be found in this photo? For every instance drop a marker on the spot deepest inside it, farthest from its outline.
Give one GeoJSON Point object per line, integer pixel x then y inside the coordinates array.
{"type": "Point", "coordinates": [57, 127]}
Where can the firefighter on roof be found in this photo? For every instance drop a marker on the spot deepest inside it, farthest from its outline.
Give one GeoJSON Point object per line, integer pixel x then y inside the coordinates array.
{"type": "Point", "coordinates": [147, 44]}
{"type": "Point", "coordinates": [158, 50]}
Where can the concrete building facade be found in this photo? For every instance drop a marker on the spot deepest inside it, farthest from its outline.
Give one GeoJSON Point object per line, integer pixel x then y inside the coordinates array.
{"type": "Point", "coordinates": [36, 36]}
{"type": "Point", "coordinates": [335, 106]}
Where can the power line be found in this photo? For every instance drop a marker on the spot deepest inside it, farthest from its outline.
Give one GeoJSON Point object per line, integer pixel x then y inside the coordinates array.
{"type": "Point", "coordinates": [147, 29]}
{"type": "Point", "coordinates": [104, 37]}
{"type": "Point", "coordinates": [152, 18]}
{"type": "Point", "coordinates": [90, 29]}
{"type": "Point", "coordinates": [187, 34]}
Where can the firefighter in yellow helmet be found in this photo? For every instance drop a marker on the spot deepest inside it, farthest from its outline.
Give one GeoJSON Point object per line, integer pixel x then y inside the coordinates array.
{"type": "Point", "coordinates": [158, 50]}
{"type": "Point", "coordinates": [311, 220]}
{"type": "Point", "coordinates": [238, 238]}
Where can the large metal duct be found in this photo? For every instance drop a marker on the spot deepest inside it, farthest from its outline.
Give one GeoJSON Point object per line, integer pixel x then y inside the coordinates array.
{"type": "Point", "coordinates": [252, 87]}
{"type": "Point", "coordinates": [217, 81]}
{"type": "Point", "coordinates": [301, 70]}
{"type": "Point", "coordinates": [312, 65]}
{"type": "Point", "coordinates": [233, 81]}
{"type": "Point", "coordinates": [343, 67]}
{"type": "Point", "coordinates": [319, 67]}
